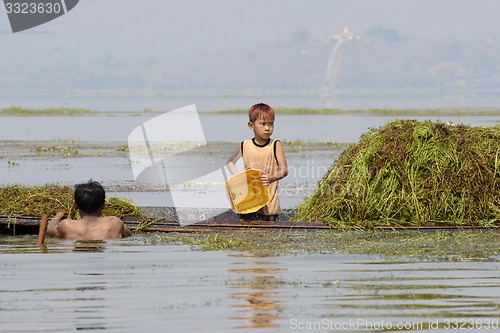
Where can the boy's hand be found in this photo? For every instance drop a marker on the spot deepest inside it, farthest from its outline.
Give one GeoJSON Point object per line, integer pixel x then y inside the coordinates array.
{"type": "Point", "coordinates": [265, 178]}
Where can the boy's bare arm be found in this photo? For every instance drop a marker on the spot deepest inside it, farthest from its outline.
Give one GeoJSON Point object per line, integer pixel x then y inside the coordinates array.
{"type": "Point", "coordinates": [282, 170]}
{"type": "Point", "coordinates": [282, 165]}
{"type": "Point", "coordinates": [235, 156]}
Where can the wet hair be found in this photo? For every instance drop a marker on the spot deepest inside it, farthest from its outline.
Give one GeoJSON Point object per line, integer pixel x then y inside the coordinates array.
{"type": "Point", "coordinates": [261, 110]}
{"type": "Point", "coordinates": [89, 196]}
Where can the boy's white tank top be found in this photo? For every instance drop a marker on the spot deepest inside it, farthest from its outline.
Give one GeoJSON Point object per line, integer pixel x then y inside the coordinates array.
{"type": "Point", "coordinates": [264, 158]}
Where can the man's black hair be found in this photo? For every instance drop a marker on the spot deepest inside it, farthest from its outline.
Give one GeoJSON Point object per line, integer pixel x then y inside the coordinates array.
{"type": "Point", "coordinates": [89, 196]}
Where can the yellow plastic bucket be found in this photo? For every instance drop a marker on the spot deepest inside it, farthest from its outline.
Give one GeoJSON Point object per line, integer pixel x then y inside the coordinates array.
{"type": "Point", "coordinates": [246, 192]}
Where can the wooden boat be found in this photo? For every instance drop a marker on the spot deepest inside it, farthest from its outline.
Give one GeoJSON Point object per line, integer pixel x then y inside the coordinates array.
{"type": "Point", "coordinates": [31, 225]}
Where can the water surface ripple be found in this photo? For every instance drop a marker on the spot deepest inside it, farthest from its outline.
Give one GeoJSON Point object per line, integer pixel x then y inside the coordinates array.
{"type": "Point", "coordinates": [132, 286]}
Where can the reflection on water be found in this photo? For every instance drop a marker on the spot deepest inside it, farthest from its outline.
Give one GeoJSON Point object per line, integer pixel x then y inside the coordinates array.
{"type": "Point", "coordinates": [90, 246]}
{"type": "Point", "coordinates": [378, 296]}
{"type": "Point", "coordinates": [127, 286]}
{"type": "Point", "coordinates": [27, 244]}
{"type": "Point", "coordinates": [89, 312]}
{"type": "Point", "coordinates": [257, 292]}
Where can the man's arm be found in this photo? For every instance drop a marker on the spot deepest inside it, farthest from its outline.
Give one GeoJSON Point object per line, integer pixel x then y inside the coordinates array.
{"type": "Point", "coordinates": [120, 230]}
{"type": "Point", "coordinates": [52, 228]}
{"type": "Point", "coordinates": [125, 231]}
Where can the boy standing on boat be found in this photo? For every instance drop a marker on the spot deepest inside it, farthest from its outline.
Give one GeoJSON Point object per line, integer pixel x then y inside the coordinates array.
{"type": "Point", "coordinates": [89, 199]}
{"type": "Point", "coordinates": [262, 152]}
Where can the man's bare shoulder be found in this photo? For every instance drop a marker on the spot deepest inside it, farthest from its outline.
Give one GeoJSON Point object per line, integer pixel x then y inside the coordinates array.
{"type": "Point", "coordinates": [66, 223]}
{"type": "Point", "coordinates": [69, 229]}
{"type": "Point", "coordinates": [111, 219]}
{"type": "Point", "coordinates": [117, 225]}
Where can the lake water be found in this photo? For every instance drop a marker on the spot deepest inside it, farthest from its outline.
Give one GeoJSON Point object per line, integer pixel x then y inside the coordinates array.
{"type": "Point", "coordinates": [224, 100]}
{"type": "Point", "coordinates": [130, 285]}
{"type": "Point", "coordinates": [341, 128]}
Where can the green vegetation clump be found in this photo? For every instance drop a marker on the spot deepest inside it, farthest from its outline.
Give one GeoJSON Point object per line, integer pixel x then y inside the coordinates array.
{"type": "Point", "coordinates": [412, 173]}
{"type": "Point", "coordinates": [18, 200]}
{"type": "Point", "coordinates": [65, 150]}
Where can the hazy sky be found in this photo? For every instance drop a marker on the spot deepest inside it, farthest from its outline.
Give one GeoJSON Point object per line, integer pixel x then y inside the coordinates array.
{"type": "Point", "coordinates": [97, 36]}
{"type": "Point", "coordinates": [127, 27]}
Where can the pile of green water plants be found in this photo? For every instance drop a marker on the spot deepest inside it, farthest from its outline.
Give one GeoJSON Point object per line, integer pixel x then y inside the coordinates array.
{"type": "Point", "coordinates": [18, 200]}
{"type": "Point", "coordinates": [411, 173]}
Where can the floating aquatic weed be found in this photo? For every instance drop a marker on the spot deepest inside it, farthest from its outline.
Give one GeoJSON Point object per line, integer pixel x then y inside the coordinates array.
{"type": "Point", "coordinates": [120, 207]}
{"type": "Point", "coordinates": [18, 200]}
{"type": "Point", "coordinates": [65, 150]}
{"type": "Point", "coordinates": [220, 242]}
{"type": "Point", "coordinates": [145, 222]}
{"type": "Point", "coordinates": [412, 173]}
{"type": "Point", "coordinates": [396, 245]}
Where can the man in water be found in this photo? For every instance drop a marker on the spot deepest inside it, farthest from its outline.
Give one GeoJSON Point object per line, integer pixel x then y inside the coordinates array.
{"type": "Point", "coordinates": [89, 199]}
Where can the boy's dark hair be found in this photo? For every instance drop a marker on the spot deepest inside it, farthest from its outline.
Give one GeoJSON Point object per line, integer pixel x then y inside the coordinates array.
{"type": "Point", "coordinates": [89, 196]}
